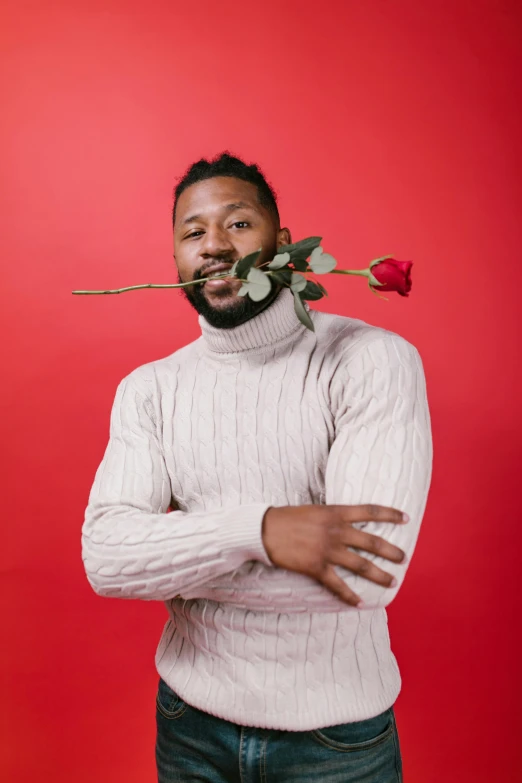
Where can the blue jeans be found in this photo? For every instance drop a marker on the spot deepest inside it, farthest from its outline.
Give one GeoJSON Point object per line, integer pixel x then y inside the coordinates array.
{"type": "Point", "coordinates": [194, 746]}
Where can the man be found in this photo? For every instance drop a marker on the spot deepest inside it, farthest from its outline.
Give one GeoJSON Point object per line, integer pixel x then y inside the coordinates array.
{"type": "Point", "coordinates": [259, 481]}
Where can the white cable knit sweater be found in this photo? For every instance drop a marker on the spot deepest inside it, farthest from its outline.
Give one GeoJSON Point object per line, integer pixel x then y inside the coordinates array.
{"type": "Point", "coordinates": [265, 414]}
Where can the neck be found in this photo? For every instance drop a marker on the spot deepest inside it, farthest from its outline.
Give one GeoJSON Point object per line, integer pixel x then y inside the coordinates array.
{"type": "Point", "coordinates": [276, 322]}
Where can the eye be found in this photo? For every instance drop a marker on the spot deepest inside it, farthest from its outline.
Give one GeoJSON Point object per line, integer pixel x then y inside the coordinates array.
{"type": "Point", "coordinates": [193, 234]}
{"type": "Point", "coordinates": [240, 224]}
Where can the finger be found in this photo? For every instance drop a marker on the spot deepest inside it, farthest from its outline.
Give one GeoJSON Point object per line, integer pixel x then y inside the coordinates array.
{"type": "Point", "coordinates": [371, 513]}
{"type": "Point", "coordinates": [362, 567]}
{"type": "Point", "coordinates": [350, 536]}
{"type": "Point", "coordinates": [330, 579]}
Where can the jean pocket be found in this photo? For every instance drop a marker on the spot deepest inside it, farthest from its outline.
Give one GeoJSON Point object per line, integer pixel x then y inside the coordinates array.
{"type": "Point", "coordinates": [359, 736]}
{"type": "Point", "coordinates": [168, 703]}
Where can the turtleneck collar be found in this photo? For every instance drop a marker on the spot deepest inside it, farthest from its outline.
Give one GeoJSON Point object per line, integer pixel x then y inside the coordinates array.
{"type": "Point", "coordinates": [270, 326]}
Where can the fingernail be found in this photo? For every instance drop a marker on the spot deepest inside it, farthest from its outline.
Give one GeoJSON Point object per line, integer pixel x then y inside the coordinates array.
{"type": "Point", "coordinates": [393, 582]}
{"type": "Point", "coordinates": [405, 518]}
{"type": "Point", "coordinates": [360, 605]}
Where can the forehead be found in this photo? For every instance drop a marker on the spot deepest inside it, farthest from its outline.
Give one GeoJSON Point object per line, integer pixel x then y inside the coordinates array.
{"type": "Point", "coordinates": [213, 195]}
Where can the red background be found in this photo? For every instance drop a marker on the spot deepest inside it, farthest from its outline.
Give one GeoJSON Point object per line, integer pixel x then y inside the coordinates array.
{"type": "Point", "coordinates": [386, 127]}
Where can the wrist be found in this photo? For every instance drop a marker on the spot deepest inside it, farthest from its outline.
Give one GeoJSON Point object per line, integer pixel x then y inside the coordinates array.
{"type": "Point", "coordinates": [265, 535]}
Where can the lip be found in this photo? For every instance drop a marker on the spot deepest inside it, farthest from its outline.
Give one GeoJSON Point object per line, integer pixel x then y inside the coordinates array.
{"type": "Point", "coordinates": [218, 268]}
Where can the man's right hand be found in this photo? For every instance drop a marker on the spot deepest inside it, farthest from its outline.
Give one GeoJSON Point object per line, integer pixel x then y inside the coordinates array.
{"type": "Point", "coordinates": [313, 539]}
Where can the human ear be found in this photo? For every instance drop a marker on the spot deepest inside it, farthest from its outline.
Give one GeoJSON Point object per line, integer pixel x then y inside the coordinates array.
{"type": "Point", "coordinates": [284, 237]}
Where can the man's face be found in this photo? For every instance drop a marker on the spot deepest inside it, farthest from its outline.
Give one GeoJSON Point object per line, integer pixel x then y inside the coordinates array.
{"type": "Point", "coordinates": [218, 221]}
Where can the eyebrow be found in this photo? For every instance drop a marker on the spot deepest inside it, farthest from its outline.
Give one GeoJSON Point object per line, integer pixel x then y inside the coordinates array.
{"type": "Point", "coordinates": [228, 207]}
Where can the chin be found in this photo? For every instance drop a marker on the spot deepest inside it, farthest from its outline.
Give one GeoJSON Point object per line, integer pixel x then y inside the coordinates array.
{"type": "Point", "coordinates": [223, 301]}
{"type": "Point", "coordinates": [225, 309]}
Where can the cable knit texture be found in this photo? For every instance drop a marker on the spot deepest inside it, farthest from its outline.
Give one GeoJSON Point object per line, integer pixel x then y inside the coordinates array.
{"type": "Point", "coordinates": [201, 444]}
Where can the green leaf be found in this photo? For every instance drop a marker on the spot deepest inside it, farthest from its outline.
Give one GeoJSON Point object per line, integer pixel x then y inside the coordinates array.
{"type": "Point", "coordinates": [302, 313]}
{"type": "Point", "coordinates": [309, 243]}
{"type": "Point", "coordinates": [255, 292]}
{"type": "Point", "coordinates": [321, 262]}
{"type": "Point", "coordinates": [258, 284]}
{"type": "Point", "coordinates": [321, 286]}
{"type": "Point", "coordinates": [301, 264]}
{"type": "Point", "coordinates": [245, 264]}
{"type": "Point", "coordinates": [283, 276]}
{"type": "Point", "coordinates": [312, 291]}
{"type": "Point", "coordinates": [279, 260]}
{"type": "Point", "coordinates": [298, 282]}
{"type": "Point", "coordinates": [299, 255]}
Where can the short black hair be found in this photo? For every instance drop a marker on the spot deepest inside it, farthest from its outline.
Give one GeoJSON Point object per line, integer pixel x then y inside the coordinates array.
{"type": "Point", "coordinates": [227, 165]}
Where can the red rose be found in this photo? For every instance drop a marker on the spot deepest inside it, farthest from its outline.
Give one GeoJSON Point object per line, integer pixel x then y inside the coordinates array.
{"type": "Point", "coordinates": [394, 276]}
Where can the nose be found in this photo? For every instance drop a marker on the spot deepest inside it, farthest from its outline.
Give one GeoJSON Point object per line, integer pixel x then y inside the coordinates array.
{"type": "Point", "coordinates": [216, 243]}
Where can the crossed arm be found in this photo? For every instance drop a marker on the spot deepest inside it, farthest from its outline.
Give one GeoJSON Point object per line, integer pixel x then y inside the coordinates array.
{"type": "Point", "coordinates": [133, 548]}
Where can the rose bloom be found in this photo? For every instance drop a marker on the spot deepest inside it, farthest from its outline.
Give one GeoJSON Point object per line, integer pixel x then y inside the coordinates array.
{"type": "Point", "coordinates": [394, 276]}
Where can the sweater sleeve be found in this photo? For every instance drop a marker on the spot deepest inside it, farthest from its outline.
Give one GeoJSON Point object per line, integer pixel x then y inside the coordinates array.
{"type": "Point", "coordinates": [131, 546]}
{"type": "Point", "coordinates": [381, 454]}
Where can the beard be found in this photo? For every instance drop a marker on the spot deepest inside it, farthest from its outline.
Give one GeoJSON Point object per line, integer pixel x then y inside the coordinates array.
{"type": "Point", "coordinates": [241, 309]}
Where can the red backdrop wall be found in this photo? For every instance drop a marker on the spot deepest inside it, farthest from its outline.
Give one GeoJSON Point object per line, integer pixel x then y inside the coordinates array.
{"type": "Point", "coordinates": [386, 127]}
